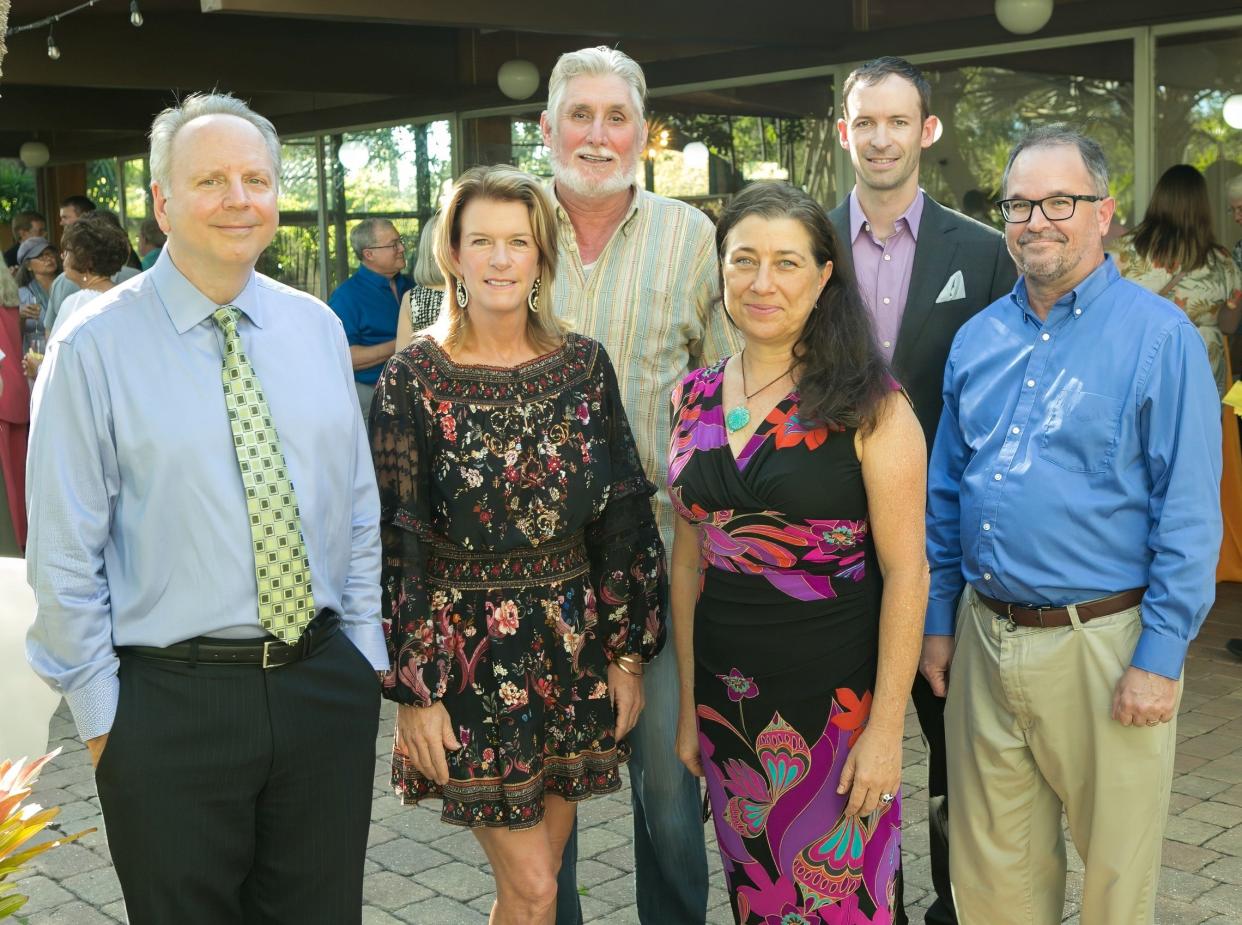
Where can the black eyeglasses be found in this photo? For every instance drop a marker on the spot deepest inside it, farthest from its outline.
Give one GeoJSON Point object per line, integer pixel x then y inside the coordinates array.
{"type": "Point", "coordinates": [398, 241]}
{"type": "Point", "coordinates": [1055, 208]}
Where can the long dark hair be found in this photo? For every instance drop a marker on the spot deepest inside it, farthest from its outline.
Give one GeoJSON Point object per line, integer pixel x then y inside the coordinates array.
{"type": "Point", "coordinates": [842, 377]}
{"type": "Point", "coordinates": [1176, 232]}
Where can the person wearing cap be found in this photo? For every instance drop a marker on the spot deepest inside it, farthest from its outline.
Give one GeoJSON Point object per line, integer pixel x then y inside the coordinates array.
{"type": "Point", "coordinates": [37, 266]}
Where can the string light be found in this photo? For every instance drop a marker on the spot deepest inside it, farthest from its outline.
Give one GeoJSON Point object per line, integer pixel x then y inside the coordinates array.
{"type": "Point", "coordinates": [53, 50]}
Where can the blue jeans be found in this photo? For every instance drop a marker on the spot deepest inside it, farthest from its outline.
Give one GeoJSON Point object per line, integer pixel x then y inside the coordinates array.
{"type": "Point", "coordinates": [670, 854]}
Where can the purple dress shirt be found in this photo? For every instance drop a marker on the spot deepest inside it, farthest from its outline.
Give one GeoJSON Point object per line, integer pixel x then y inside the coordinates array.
{"type": "Point", "coordinates": [883, 268]}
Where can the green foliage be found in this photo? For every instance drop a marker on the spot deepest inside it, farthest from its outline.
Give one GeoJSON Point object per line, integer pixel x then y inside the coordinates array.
{"type": "Point", "coordinates": [17, 188]}
{"type": "Point", "coordinates": [102, 184]}
{"type": "Point", "coordinates": [19, 824]}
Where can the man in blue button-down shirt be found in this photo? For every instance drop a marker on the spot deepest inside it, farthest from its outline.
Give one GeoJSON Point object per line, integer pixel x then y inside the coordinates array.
{"type": "Point", "coordinates": [1073, 529]}
{"type": "Point", "coordinates": [369, 301]}
{"type": "Point", "coordinates": [232, 791]}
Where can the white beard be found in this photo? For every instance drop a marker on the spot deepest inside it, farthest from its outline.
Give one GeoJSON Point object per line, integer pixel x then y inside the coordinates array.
{"type": "Point", "coordinates": [572, 177]}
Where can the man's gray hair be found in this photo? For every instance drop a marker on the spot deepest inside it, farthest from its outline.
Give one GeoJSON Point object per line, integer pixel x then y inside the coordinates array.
{"type": "Point", "coordinates": [365, 234]}
{"type": "Point", "coordinates": [600, 61]}
{"type": "Point", "coordinates": [1057, 135]}
{"type": "Point", "coordinates": [1233, 189]}
{"type": "Point", "coordinates": [166, 125]}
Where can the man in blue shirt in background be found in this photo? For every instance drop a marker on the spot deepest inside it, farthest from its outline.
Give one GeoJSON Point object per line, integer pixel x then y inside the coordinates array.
{"type": "Point", "coordinates": [368, 302]}
{"type": "Point", "coordinates": [1073, 528]}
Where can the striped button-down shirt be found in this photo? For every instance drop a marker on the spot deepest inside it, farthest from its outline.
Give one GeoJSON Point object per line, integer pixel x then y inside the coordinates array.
{"type": "Point", "coordinates": [652, 298]}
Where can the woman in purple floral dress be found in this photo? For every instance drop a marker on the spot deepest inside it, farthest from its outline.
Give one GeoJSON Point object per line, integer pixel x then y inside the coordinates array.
{"type": "Point", "coordinates": [798, 577]}
{"type": "Point", "coordinates": [523, 578]}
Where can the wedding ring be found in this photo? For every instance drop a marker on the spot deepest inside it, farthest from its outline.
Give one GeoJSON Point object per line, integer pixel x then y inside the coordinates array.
{"type": "Point", "coordinates": [1153, 722]}
{"type": "Point", "coordinates": [886, 798]}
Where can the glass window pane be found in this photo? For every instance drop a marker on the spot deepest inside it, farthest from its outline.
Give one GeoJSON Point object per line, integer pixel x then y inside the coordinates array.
{"type": "Point", "coordinates": [1195, 75]}
{"type": "Point", "coordinates": [17, 189]}
{"type": "Point", "coordinates": [103, 186]}
{"type": "Point", "coordinates": [985, 104]}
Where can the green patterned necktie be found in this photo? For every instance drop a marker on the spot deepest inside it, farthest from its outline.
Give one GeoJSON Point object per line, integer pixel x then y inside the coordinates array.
{"type": "Point", "coordinates": [286, 604]}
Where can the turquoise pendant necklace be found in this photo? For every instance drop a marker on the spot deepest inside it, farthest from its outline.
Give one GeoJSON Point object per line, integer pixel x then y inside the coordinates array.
{"type": "Point", "coordinates": [738, 416]}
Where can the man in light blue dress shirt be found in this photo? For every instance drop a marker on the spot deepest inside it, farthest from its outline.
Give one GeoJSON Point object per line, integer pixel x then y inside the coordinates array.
{"type": "Point", "coordinates": [234, 771]}
{"type": "Point", "coordinates": [1073, 530]}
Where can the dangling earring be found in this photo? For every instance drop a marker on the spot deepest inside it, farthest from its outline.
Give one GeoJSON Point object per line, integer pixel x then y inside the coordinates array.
{"type": "Point", "coordinates": [532, 300]}
{"type": "Point", "coordinates": [463, 296]}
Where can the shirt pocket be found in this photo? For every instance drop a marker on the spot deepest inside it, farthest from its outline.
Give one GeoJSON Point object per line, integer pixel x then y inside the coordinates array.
{"type": "Point", "coordinates": [1080, 434]}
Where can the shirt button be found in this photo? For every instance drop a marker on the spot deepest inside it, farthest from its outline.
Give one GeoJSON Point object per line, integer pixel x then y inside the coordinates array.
{"type": "Point", "coordinates": [996, 477]}
{"type": "Point", "coordinates": [1030, 383]}
{"type": "Point", "coordinates": [1078, 311]}
{"type": "Point", "coordinates": [888, 343]}
{"type": "Point", "coordinates": [1016, 430]}
{"type": "Point", "coordinates": [987, 576]}
{"type": "Point", "coordinates": [1045, 336]}
{"type": "Point", "coordinates": [888, 256]}
{"type": "Point", "coordinates": [887, 300]}
{"type": "Point", "coordinates": [987, 526]}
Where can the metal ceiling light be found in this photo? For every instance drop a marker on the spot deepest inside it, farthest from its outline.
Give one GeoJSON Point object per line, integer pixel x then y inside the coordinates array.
{"type": "Point", "coordinates": [1023, 17]}
{"type": "Point", "coordinates": [518, 79]}
{"type": "Point", "coordinates": [52, 51]}
{"type": "Point", "coordinates": [1233, 111]}
{"type": "Point", "coordinates": [34, 154]}
{"type": "Point", "coordinates": [135, 14]}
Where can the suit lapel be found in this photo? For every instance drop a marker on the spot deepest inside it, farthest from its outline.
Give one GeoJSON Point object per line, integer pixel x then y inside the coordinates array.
{"type": "Point", "coordinates": [840, 219]}
{"type": "Point", "coordinates": [933, 255]}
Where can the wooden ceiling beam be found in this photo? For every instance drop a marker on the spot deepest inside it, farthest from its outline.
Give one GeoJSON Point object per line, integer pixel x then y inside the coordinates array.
{"type": "Point", "coordinates": [689, 20]}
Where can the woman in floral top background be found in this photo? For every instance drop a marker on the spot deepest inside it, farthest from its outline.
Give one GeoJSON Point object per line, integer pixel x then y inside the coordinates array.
{"type": "Point", "coordinates": [1173, 252]}
{"type": "Point", "coordinates": [523, 576]}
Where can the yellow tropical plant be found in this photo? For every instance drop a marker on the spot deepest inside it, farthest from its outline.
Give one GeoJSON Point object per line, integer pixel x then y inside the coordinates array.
{"type": "Point", "coordinates": [20, 822]}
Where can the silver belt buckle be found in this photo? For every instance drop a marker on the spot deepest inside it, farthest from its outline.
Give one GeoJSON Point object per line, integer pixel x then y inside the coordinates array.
{"type": "Point", "coordinates": [267, 651]}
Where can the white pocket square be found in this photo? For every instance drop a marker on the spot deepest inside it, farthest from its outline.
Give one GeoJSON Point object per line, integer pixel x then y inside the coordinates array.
{"type": "Point", "coordinates": [954, 289]}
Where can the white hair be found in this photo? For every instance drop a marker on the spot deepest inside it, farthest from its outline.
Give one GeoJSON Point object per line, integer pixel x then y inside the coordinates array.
{"type": "Point", "coordinates": [1233, 189]}
{"type": "Point", "coordinates": [600, 61]}
{"type": "Point", "coordinates": [166, 125]}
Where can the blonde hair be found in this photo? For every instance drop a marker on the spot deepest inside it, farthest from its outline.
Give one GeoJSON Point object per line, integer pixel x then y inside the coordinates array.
{"type": "Point", "coordinates": [499, 183]}
{"type": "Point", "coordinates": [600, 61]}
{"type": "Point", "coordinates": [426, 273]}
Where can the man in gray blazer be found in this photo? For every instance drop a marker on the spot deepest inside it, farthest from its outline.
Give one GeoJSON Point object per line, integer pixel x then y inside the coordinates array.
{"type": "Point", "coordinates": [923, 271]}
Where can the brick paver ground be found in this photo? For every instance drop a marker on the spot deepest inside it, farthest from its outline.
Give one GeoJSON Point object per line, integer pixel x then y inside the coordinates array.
{"type": "Point", "coordinates": [422, 872]}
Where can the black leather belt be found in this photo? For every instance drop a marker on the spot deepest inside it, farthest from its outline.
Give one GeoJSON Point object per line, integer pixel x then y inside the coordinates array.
{"type": "Point", "coordinates": [266, 653]}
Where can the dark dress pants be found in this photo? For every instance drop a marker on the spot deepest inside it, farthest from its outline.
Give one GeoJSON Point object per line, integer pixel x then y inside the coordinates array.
{"type": "Point", "coordinates": [930, 710]}
{"type": "Point", "coordinates": [234, 794]}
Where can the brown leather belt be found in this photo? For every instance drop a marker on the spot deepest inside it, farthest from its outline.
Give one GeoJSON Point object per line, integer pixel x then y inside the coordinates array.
{"type": "Point", "coordinates": [1059, 616]}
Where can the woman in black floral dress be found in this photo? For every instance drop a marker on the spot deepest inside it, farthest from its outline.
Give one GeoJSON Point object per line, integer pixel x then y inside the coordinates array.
{"type": "Point", "coordinates": [523, 572]}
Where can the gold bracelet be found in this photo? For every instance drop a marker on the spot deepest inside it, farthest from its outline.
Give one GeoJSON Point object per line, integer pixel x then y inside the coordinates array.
{"type": "Point", "coordinates": [631, 658]}
{"type": "Point", "coordinates": [620, 664]}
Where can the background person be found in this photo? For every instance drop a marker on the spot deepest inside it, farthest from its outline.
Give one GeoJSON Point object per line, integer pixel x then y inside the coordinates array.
{"type": "Point", "coordinates": [63, 287]}
{"type": "Point", "coordinates": [14, 421]}
{"type": "Point", "coordinates": [150, 241]}
{"type": "Point", "coordinates": [420, 306]}
{"type": "Point", "coordinates": [784, 630]}
{"type": "Point", "coordinates": [524, 578]}
{"type": "Point", "coordinates": [25, 225]}
{"type": "Point", "coordinates": [93, 250]}
{"type": "Point", "coordinates": [37, 267]}
{"type": "Point", "coordinates": [367, 303]}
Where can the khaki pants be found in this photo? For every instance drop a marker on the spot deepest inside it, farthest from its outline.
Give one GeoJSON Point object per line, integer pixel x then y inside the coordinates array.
{"type": "Point", "coordinates": [1029, 729]}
